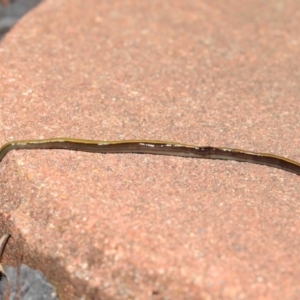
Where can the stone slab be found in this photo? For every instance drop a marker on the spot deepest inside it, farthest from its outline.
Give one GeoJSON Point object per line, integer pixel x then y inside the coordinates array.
{"type": "Point", "coordinates": [141, 226]}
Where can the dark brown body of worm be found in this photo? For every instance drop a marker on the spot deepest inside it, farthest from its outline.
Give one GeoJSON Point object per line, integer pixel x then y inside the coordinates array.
{"type": "Point", "coordinates": [155, 147]}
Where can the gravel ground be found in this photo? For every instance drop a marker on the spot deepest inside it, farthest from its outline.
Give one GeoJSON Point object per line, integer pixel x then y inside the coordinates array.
{"type": "Point", "coordinates": [33, 284]}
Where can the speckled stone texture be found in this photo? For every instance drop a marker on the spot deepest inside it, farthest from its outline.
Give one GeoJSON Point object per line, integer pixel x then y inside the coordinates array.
{"type": "Point", "coordinates": [220, 73]}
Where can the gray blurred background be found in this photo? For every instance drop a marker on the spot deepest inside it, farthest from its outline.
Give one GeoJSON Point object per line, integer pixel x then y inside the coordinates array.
{"type": "Point", "coordinates": [11, 11]}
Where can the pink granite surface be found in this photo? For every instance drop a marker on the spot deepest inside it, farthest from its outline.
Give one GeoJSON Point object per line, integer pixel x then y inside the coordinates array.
{"type": "Point", "coordinates": [221, 73]}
